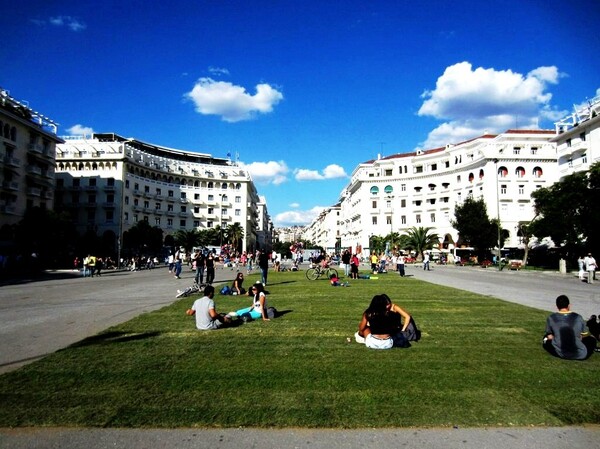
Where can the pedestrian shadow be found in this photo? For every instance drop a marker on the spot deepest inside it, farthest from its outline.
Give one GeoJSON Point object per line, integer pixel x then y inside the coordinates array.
{"type": "Point", "coordinates": [114, 337]}
{"type": "Point", "coordinates": [281, 313]}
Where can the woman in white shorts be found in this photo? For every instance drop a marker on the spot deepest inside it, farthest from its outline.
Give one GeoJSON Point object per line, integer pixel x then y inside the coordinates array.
{"type": "Point", "coordinates": [381, 325]}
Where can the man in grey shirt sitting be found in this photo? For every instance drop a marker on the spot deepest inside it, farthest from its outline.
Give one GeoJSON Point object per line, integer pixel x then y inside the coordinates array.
{"type": "Point", "coordinates": [207, 317]}
{"type": "Point", "coordinates": [566, 336]}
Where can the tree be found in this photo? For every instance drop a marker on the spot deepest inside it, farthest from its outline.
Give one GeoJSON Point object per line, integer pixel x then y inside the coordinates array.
{"type": "Point", "coordinates": [394, 240]}
{"type": "Point", "coordinates": [420, 240]}
{"type": "Point", "coordinates": [376, 244]}
{"type": "Point", "coordinates": [568, 211]}
{"type": "Point", "coordinates": [235, 233]}
{"type": "Point", "coordinates": [143, 239]}
{"type": "Point", "coordinates": [187, 239]}
{"type": "Point", "coordinates": [474, 226]}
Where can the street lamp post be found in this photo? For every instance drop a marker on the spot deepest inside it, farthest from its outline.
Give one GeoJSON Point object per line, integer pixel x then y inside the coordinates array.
{"type": "Point", "coordinates": [498, 215]}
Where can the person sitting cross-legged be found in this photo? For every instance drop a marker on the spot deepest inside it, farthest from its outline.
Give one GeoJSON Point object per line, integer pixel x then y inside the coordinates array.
{"type": "Point", "coordinates": [566, 336]}
{"type": "Point", "coordinates": [207, 317]}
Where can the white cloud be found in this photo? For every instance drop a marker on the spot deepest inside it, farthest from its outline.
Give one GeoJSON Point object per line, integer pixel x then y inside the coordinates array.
{"type": "Point", "coordinates": [296, 217]}
{"type": "Point", "coordinates": [79, 130]}
{"type": "Point", "coordinates": [332, 171]}
{"type": "Point", "coordinates": [72, 23]}
{"type": "Point", "coordinates": [218, 71]}
{"type": "Point", "coordinates": [232, 102]}
{"type": "Point", "coordinates": [476, 100]}
{"type": "Point", "coordinates": [272, 172]}
{"type": "Point", "coordinates": [294, 205]}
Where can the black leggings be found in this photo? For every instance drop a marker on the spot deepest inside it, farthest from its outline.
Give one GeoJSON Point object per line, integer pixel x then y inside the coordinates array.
{"type": "Point", "coordinates": [589, 342]}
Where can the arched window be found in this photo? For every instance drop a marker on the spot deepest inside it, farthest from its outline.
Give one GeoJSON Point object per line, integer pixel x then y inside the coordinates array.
{"type": "Point", "coordinates": [388, 189]}
{"type": "Point", "coordinates": [238, 186]}
{"type": "Point", "coordinates": [13, 134]}
{"type": "Point", "coordinates": [224, 186]}
{"type": "Point", "coordinates": [481, 174]}
{"type": "Point", "coordinates": [374, 190]}
{"type": "Point", "coordinates": [210, 185]}
{"type": "Point", "coordinates": [471, 177]}
{"type": "Point", "coordinates": [432, 187]}
{"type": "Point", "coordinates": [537, 172]}
{"type": "Point", "coordinates": [503, 172]}
{"type": "Point", "coordinates": [520, 172]}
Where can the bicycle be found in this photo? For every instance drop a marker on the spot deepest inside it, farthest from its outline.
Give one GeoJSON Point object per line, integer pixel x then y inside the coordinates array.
{"type": "Point", "coordinates": [315, 273]}
{"type": "Point", "coordinates": [194, 288]}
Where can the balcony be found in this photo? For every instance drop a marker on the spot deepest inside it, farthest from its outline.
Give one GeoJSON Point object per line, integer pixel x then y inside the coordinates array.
{"type": "Point", "coordinates": [184, 214]}
{"type": "Point", "coordinates": [137, 192]}
{"type": "Point", "coordinates": [34, 170]}
{"type": "Point", "coordinates": [108, 205]}
{"type": "Point", "coordinates": [90, 205]}
{"type": "Point", "coordinates": [10, 185]}
{"type": "Point", "coordinates": [158, 211]}
{"type": "Point", "coordinates": [10, 161]}
{"type": "Point", "coordinates": [90, 188]}
{"type": "Point", "coordinates": [8, 209]}
{"type": "Point", "coordinates": [34, 191]}
{"type": "Point", "coordinates": [35, 148]}
{"type": "Point", "coordinates": [108, 188]}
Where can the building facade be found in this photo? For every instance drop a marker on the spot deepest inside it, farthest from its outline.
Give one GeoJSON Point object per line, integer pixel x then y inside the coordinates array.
{"type": "Point", "coordinates": [27, 148]}
{"type": "Point", "coordinates": [109, 183]}
{"type": "Point", "coordinates": [422, 189]}
{"type": "Point", "coordinates": [324, 231]}
{"type": "Point", "coordinates": [578, 139]}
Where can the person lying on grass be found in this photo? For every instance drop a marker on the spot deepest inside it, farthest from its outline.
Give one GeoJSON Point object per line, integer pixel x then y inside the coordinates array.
{"type": "Point", "coordinates": [207, 317]}
{"type": "Point", "coordinates": [258, 309]}
{"type": "Point", "coordinates": [381, 325]}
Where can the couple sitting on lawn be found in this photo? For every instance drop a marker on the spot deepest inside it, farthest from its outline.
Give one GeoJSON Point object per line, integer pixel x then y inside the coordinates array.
{"type": "Point", "coordinates": [207, 317]}
{"type": "Point", "coordinates": [385, 325]}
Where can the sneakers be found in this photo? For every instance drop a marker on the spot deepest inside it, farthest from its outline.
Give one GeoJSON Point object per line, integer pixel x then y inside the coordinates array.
{"type": "Point", "coordinates": [359, 339]}
{"type": "Point", "coordinates": [232, 315]}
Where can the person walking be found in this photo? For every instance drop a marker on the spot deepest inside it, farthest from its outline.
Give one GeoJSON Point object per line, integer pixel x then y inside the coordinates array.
{"type": "Point", "coordinates": [426, 261]}
{"type": "Point", "coordinates": [401, 262]}
{"type": "Point", "coordinates": [263, 264]}
{"type": "Point", "coordinates": [590, 267]}
{"type": "Point", "coordinates": [209, 263]}
{"type": "Point", "coordinates": [199, 263]}
{"type": "Point", "coordinates": [346, 261]}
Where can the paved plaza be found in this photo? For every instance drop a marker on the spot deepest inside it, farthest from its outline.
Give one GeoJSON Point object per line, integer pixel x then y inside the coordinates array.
{"type": "Point", "coordinates": [39, 317]}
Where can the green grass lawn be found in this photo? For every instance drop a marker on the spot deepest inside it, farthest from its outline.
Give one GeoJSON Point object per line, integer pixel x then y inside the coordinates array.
{"type": "Point", "coordinates": [479, 363]}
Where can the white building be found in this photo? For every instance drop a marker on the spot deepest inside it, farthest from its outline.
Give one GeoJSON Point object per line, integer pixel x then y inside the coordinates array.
{"type": "Point", "coordinates": [27, 141]}
{"type": "Point", "coordinates": [578, 139]}
{"type": "Point", "coordinates": [324, 231]}
{"type": "Point", "coordinates": [264, 233]}
{"type": "Point", "coordinates": [109, 183]}
{"type": "Point", "coordinates": [395, 193]}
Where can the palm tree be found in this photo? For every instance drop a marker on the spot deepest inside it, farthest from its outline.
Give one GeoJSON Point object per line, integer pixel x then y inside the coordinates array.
{"type": "Point", "coordinates": [393, 238]}
{"type": "Point", "coordinates": [235, 233]}
{"type": "Point", "coordinates": [187, 239]}
{"type": "Point", "coordinates": [376, 244]}
{"type": "Point", "coordinates": [421, 240]}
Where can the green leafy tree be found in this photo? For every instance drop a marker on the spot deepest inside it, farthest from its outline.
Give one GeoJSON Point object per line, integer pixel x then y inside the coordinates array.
{"type": "Point", "coordinates": [420, 239]}
{"type": "Point", "coordinates": [474, 226]}
{"type": "Point", "coordinates": [143, 239]}
{"type": "Point", "coordinates": [568, 211]}
{"type": "Point", "coordinates": [377, 244]}
{"type": "Point", "coordinates": [393, 238]}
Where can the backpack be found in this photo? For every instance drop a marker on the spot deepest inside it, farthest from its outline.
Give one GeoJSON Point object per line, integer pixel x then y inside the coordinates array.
{"type": "Point", "coordinates": [412, 332]}
{"type": "Point", "coordinates": [225, 290]}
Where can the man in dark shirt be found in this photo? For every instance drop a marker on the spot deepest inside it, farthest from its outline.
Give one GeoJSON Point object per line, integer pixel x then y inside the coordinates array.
{"type": "Point", "coordinates": [565, 333]}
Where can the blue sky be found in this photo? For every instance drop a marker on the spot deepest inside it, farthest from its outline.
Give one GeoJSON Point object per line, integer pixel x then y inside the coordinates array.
{"type": "Point", "coordinates": [304, 91]}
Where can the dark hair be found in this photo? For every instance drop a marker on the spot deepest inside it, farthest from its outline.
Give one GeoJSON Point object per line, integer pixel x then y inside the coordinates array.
{"type": "Point", "coordinates": [562, 302]}
{"type": "Point", "coordinates": [239, 275]}
{"type": "Point", "coordinates": [209, 290]}
{"type": "Point", "coordinates": [379, 305]}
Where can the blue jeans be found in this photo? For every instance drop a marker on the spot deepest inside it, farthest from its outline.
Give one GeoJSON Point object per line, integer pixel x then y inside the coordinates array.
{"type": "Point", "coordinates": [249, 312]}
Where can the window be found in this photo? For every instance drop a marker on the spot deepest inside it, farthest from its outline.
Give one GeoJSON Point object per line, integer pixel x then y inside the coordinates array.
{"type": "Point", "coordinates": [209, 224]}
{"type": "Point", "coordinates": [537, 172]}
{"type": "Point", "coordinates": [388, 172]}
{"type": "Point", "coordinates": [534, 150]}
{"type": "Point", "coordinates": [388, 204]}
{"type": "Point", "coordinates": [211, 197]}
{"type": "Point", "coordinates": [503, 172]}
{"type": "Point", "coordinates": [146, 204]}
{"type": "Point", "coordinates": [91, 215]}
{"type": "Point", "coordinates": [458, 178]}
{"type": "Point", "coordinates": [224, 211]}
{"type": "Point", "coordinates": [183, 209]}
{"type": "Point", "coordinates": [517, 150]}
{"type": "Point", "coordinates": [238, 212]}
{"type": "Point", "coordinates": [503, 189]}
{"type": "Point", "coordinates": [520, 172]}
{"type": "Point", "coordinates": [157, 221]}
{"type": "Point", "coordinates": [110, 182]}
{"type": "Point", "coordinates": [170, 194]}
{"type": "Point", "coordinates": [146, 188]}
{"type": "Point", "coordinates": [211, 210]}
{"type": "Point", "coordinates": [136, 202]}
{"type": "Point", "coordinates": [403, 187]}
{"type": "Point", "coordinates": [127, 201]}
{"type": "Point", "coordinates": [418, 218]}
{"type": "Point", "coordinates": [584, 158]}
{"type": "Point", "coordinates": [433, 167]}
{"type": "Point", "coordinates": [196, 209]}
{"type": "Point", "coordinates": [169, 222]}
{"type": "Point", "coordinates": [182, 223]}
{"type": "Point", "coordinates": [76, 182]}
{"type": "Point", "coordinates": [91, 198]}
{"type": "Point", "coordinates": [419, 169]}
{"type": "Point", "coordinates": [570, 163]}
{"type": "Point", "coordinates": [183, 195]}
{"type": "Point", "coordinates": [374, 204]}
{"type": "Point", "coordinates": [126, 217]}
{"type": "Point", "coordinates": [403, 219]}
{"type": "Point", "coordinates": [169, 208]}
{"type": "Point", "coordinates": [471, 177]}
{"type": "Point", "coordinates": [135, 218]}
{"type": "Point", "coordinates": [127, 184]}
{"type": "Point", "coordinates": [238, 199]}
{"type": "Point", "coordinates": [582, 137]}
{"type": "Point", "coordinates": [388, 189]}
{"type": "Point", "coordinates": [568, 142]}
{"type": "Point", "coordinates": [109, 215]}
{"type": "Point", "coordinates": [374, 190]}
{"type": "Point", "coordinates": [388, 219]}
{"type": "Point", "coordinates": [521, 189]}
{"type": "Point", "coordinates": [158, 191]}
{"type": "Point", "coordinates": [196, 223]}
{"type": "Point", "coordinates": [402, 203]}
{"type": "Point", "coordinates": [374, 220]}
{"type": "Point", "coordinates": [432, 216]}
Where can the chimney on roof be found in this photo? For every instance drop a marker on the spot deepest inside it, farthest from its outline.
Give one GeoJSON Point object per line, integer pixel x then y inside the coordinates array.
{"type": "Point", "coordinates": [378, 156]}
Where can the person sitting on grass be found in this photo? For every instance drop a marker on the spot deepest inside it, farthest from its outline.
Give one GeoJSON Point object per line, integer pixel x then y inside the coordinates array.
{"type": "Point", "coordinates": [335, 281]}
{"type": "Point", "coordinates": [207, 317]}
{"type": "Point", "coordinates": [381, 325]}
{"type": "Point", "coordinates": [565, 335]}
{"type": "Point", "coordinates": [236, 288]}
{"type": "Point", "coordinates": [258, 309]}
